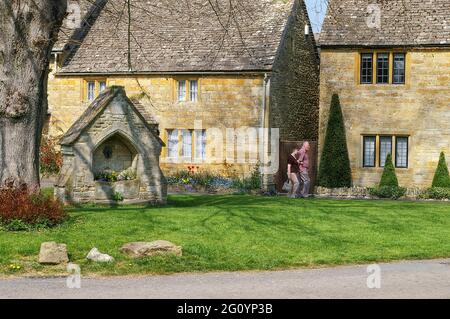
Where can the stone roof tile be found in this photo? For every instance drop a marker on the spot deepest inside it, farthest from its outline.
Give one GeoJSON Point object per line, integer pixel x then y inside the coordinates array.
{"type": "Point", "coordinates": [183, 36]}
{"type": "Point", "coordinates": [402, 23]}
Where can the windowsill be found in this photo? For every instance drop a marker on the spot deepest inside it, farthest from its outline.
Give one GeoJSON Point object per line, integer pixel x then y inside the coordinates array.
{"type": "Point", "coordinates": [383, 84]}
{"type": "Point", "coordinates": [375, 168]}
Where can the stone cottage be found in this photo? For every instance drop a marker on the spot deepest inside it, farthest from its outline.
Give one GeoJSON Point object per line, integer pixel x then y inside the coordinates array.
{"type": "Point", "coordinates": [199, 69]}
{"type": "Point", "coordinates": [112, 137]}
{"type": "Point", "coordinates": [389, 61]}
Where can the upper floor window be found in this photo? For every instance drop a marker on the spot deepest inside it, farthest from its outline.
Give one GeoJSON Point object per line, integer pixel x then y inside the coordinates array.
{"type": "Point", "coordinates": [398, 75]}
{"type": "Point", "coordinates": [90, 91]}
{"type": "Point", "coordinates": [383, 68]}
{"type": "Point", "coordinates": [366, 68]}
{"type": "Point", "coordinates": [193, 90]}
{"type": "Point", "coordinates": [187, 90]}
{"type": "Point", "coordinates": [93, 89]}
{"type": "Point", "coordinates": [102, 86]}
{"type": "Point", "coordinates": [181, 91]}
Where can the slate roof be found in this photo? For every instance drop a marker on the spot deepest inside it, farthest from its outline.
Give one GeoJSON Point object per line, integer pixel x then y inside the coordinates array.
{"type": "Point", "coordinates": [82, 9]}
{"type": "Point", "coordinates": [97, 107]}
{"type": "Point", "coordinates": [403, 23]}
{"type": "Point", "coordinates": [183, 36]}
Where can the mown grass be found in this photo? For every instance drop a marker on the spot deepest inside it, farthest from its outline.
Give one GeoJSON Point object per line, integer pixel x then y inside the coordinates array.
{"type": "Point", "coordinates": [239, 232]}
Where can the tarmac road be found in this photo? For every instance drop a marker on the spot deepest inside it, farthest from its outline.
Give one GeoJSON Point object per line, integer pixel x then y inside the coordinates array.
{"type": "Point", "coordinates": [411, 279]}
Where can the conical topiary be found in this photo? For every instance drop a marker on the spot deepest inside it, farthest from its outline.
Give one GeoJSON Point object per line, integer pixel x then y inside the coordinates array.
{"type": "Point", "coordinates": [334, 169]}
{"type": "Point", "coordinates": [441, 176]}
{"type": "Point", "coordinates": [389, 178]}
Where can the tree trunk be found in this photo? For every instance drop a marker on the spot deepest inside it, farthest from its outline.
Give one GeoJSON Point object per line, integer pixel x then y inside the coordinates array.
{"type": "Point", "coordinates": [28, 30]}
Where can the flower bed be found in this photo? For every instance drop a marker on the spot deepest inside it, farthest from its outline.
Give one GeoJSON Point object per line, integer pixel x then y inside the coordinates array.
{"type": "Point", "coordinates": [357, 192]}
{"type": "Point", "coordinates": [191, 181]}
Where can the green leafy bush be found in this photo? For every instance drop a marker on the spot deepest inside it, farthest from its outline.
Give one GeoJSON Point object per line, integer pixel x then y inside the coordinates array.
{"type": "Point", "coordinates": [118, 197]}
{"type": "Point", "coordinates": [441, 176]}
{"type": "Point", "coordinates": [113, 176]}
{"type": "Point", "coordinates": [251, 183]}
{"type": "Point", "coordinates": [389, 178]}
{"type": "Point", "coordinates": [391, 192]}
{"type": "Point", "coordinates": [334, 169]}
{"type": "Point", "coordinates": [436, 193]}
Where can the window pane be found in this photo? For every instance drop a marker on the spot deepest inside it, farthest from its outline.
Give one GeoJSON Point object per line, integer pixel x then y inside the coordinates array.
{"type": "Point", "coordinates": [401, 150]}
{"type": "Point", "coordinates": [200, 145]}
{"type": "Point", "coordinates": [181, 91]}
{"type": "Point", "coordinates": [385, 148]}
{"type": "Point", "coordinates": [187, 143]}
{"type": "Point", "coordinates": [193, 90]}
{"type": "Point", "coordinates": [399, 69]}
{"type": "Point", "coordinates": [383, 68]}
{"type": "Point", "coordinates": [172, 143]}
{"type": "Point", "coordinates": [102, 86]}
{"type": "Point", "coordinates": [369, 151]}
{"type": "Point", "coordinates": [91, 90]}
{"type": "Point", "coordinates": [366, 68]}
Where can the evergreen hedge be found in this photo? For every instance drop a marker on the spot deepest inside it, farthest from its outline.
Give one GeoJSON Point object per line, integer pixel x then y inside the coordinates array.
{"type": "Point", "coordinates": [441, 176]}
{"type": "Point", "coordinates": [334, 169]}
{"type": "Point", "coordinates": [389, 178]}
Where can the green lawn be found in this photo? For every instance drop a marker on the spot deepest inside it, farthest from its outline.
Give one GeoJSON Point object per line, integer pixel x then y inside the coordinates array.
{"type": "Point", "coordinates": [241, 233]}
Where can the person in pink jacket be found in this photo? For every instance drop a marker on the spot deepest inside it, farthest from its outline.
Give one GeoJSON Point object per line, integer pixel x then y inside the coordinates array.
{"type": "Point", "coordinates": [303, 161]}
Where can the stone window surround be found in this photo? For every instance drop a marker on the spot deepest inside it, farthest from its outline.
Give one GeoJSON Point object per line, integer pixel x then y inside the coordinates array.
{"type": "Point", "coordinates": [180, 133]}
{"type": "Point", "coordinates": [97, 83]}
{"type": "Point", "coordinates": [393, 150]}
{"type": "Point", "coordinates": [375, 52]}
{"type": "Point", "coordinates": [187, 96]}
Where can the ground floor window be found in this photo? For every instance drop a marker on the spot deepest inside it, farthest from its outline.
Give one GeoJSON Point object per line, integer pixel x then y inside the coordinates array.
{"type": "Point", "coordinates": [401, 154]}
{"type": "Point", "coordinates": [186, 143]}
{"type": "Point", "coordinates": [369, 145]}
{"type": "Point", "coordinates": [382, 145]}
{"type": "Point", "coordinates": [172, 143]}
{"type": "Point", "coordinates": [200, 146]}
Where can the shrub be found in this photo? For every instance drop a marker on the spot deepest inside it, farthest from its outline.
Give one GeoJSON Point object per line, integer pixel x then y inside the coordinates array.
{"type": "Point", "coordinates": [118, 197]}
{"type": "Point", "coordinates": [392, 192]}
{"type": "Point", "coordinates": [334, 169]}
{"type": "Point", "coordinates": [436, 193]}
{"type": "Point", "coordinates": [113, 176]}
{"type": "Point", "coordinates": [388, 187]}
{"type": "Point", "coordinates": [389, 178]}
{"type": "Point", "coordinates": [22, 209]}
{"type": "Point", "coordinates": [50, 156]}
{"type": "Point", "coordinates": [441, 176]}
{"type": "Point", "coordinates": [248, 184]}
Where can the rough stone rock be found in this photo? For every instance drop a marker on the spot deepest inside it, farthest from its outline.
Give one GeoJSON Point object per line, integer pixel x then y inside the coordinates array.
{"type": "Point", "coordinates": [96, 255]}
{"type": "Point", "coordinates": [52, 253]}
{"type": "Point", "coordinates": [142, 249]}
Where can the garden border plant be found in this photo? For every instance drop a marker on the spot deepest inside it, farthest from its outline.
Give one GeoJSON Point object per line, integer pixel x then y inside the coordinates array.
{"type": "Point", "coordinates": [193, 179]}
{"type": "Point", "coordinates": [440, 188]}
{"type": "Point", "coordinates": [24, 209]}
{"type": "Point", "coordinates": [334, 168]}
{"type": "Point", "coordinates": [388, 187]}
